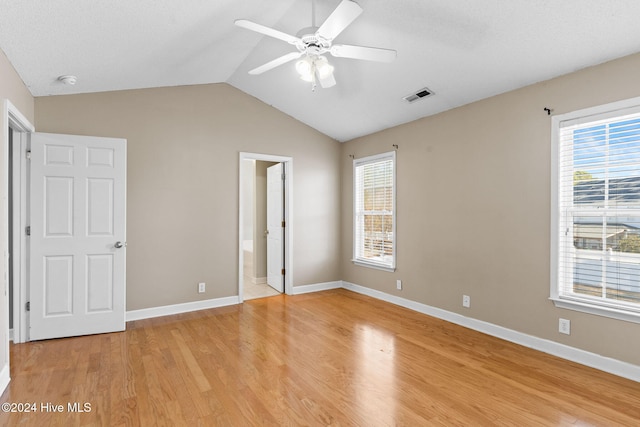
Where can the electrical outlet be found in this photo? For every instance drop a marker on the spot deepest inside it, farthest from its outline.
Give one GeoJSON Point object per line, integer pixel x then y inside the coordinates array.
{"type": "Point", "coordinates": [564, 326]}
{"type": "Point", "coordinates": [399, 284]}
{"type": "Point", "coordinates": [466, 301]}
{"type": "Point", "coordinates": [201, 287]}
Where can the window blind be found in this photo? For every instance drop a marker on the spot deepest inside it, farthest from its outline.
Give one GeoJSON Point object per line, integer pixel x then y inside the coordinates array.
{"type": "Point", "coordinates": [599, 209]}
{"type": "Point", "coordinates": [374, 210]}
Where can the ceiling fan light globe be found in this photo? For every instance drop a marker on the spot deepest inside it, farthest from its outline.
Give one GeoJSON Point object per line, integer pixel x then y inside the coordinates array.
{"type": "Point", "coordinates": [307, 78]}
{"type": "Point", "coordinates": [323, 67]}
{"type": "Point", "coordinates": [304, 67]}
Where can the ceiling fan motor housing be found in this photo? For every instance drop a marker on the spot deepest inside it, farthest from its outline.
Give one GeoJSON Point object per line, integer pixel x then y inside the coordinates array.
{"type": "Point", "coordinates": [312, 43]}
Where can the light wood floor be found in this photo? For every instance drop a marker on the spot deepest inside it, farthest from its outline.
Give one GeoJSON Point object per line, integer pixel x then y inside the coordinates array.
{"type": "Point", "coordinates": [330, 358]}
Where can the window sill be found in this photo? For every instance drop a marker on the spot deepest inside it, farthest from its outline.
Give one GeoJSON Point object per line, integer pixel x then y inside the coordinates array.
{"type": "Point", "coordinates": [598, 310]}
{"type": "Point", "coordinates": [373, 265]}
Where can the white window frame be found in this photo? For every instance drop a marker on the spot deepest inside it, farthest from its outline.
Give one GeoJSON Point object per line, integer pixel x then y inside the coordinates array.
{"type": "Point", "coordinates": [386, 266]}
{"type": "Point", "coordinates": [622, 311]}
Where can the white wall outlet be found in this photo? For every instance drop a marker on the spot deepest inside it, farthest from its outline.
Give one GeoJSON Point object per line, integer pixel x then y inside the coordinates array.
{"type": "Point", "coordinates": [399, 284]}
{"type": "Point", "coordinates": [466, 301]}
{"type": "Point", "coordinates": [564, 326]}
{"type": "Point", "coordinates": [201, 287]}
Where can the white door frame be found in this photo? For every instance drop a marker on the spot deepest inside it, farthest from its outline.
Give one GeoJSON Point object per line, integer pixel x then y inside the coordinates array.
{"type": "Point", "coordinates": [288, 231]}
{"type": "Point", "coordinates": [18, 122]}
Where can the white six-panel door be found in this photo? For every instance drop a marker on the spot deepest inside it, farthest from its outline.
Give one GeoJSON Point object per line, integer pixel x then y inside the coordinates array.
{"type": "Point", "coordinates": [77, 237]}
{"type": "Point", "coordinates": [275, 241]}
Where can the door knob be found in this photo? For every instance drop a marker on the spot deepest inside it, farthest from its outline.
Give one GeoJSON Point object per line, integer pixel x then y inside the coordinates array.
{"type": "Point", "coordinates": [119, 245]}
{"type": "Point", "coordinates": [266, 232]}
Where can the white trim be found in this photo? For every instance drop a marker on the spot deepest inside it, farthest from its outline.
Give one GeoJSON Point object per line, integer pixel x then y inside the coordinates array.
{"type": "Point", "coordinates": [16, 119]}
{"type": "Point", "coordinates": [5, 377]}
{"type": "Point", "coordinates": [598, 110]}
{"type": "Point", "coordinates": [167, 310]}
{"type": "Point", "coordinates": [606, 364]}
{"type": "Point", "coordinates": [598, 310]}
{"type": "Point", "coordinates": [20, 124]}
{"type": "Point", "coordinates": [19, 250]}
{"type": "Point", "coordinates": [259, 280]}
{"type": "Point", "coordinates": [363, 262]}
{"type": "Point", "coordinates": [305, 289]}
{"type": "Point", "coordinates": [11, 335]}
{"type": "Point", "coordinates": [555, 210]}
{"type": "Point", "coordinates": [557, 263]}
{"type": "Point", "coordinates": [288, 215]}
{"type": "Point", "coordinates": [373, 158]}
{"type": "Point", "coordinates": [11, 118]}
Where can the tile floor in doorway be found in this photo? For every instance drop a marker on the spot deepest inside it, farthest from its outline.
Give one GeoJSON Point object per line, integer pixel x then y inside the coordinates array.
{"type": "Point", "coordinates": [253, 291]}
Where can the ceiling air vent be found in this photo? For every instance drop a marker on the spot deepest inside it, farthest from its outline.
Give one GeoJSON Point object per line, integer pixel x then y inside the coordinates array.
{"type": "Point", "coordinates": [420, 93]}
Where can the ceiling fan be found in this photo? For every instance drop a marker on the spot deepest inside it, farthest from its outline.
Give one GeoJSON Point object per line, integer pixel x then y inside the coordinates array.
{"type": "Point", "coordinates": [313, 42]}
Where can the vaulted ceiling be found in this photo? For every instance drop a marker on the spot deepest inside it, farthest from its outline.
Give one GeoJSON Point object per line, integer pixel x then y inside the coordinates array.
{"type": "Point", "coordinates": [462, 50]}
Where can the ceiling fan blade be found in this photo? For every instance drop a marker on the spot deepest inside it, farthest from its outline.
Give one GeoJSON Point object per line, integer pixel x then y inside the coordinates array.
{"type": "Point", "coordinates": [267, 31]}
{"type": "Point", "coordinates": [327, 81]}
{"type": "Point", "coordinates": [362, 52]}
{"type": "Point", "coordinates": [340, 18]}
{"type": "Point", "coordinates": [276, 62]}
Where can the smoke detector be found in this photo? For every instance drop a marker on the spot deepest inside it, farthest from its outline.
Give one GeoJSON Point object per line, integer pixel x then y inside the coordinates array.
{"type": "Point", "coordinates": [68, 80]}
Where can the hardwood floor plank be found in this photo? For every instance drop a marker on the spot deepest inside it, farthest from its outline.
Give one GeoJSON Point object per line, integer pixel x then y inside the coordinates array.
{"type": "Point", "coordinates": [330, 358]}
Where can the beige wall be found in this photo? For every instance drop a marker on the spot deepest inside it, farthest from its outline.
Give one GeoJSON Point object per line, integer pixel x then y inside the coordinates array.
{"type": "Point", "coordinates": [13, 89]}
{"type": "Point", "coordinates": [182, 201]}
{"type": "Point", "coordinates": [473, 209]}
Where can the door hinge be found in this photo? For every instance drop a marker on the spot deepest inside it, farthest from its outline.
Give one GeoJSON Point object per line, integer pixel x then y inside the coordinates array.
{"type": "Point", "coordinates": [27, 230]}
{"type": "Point", "coordinates": [28, 154]}
{"type": "Point", "coordinates": [28, 305]}
{"type": "Point", "coordinates": [284, 176]}
{"type": "Point", "coordinates": [284, 271]}
{"type": "Point", "coordinates": [284, 224]}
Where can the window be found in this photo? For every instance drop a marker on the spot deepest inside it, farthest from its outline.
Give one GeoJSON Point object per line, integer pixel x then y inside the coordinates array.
{"type": "Point", "coordinates": [596, 211]}
{"type": "Point", "coordinates": [375, 211]}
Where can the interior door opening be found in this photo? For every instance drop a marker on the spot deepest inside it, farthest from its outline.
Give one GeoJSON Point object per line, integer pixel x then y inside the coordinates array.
{"type": "Point", "coordinates": [16, 207]}
{"type": "Point", "coordinates": [10, 225]}
{"type": "Point", "coordinates": [264, 237]}
{"type": "Point", "coordinates": [17, 140]}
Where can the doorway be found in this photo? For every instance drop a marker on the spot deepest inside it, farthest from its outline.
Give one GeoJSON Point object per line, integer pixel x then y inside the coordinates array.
{"type": "Point", "coordinates": [264, 230]}
{"type": "Point", "coordinates": [18, 128]}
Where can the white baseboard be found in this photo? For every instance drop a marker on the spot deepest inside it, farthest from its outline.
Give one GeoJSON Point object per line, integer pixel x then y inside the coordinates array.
{"type": "Point", "coordinates": [606, 364]}
{"type": "Point", "coordinates": [11, 334]}
{"type": "Point", "coordinates": [305, 289]}
{"type": "Point", "coordinates": [147, 313]}
{"type": "Point", "coordinates": [5, 378]}
{"type": "Point", "coordinates": [259, 280]}
{"type": "Point", "coordinates": [167, 310]}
